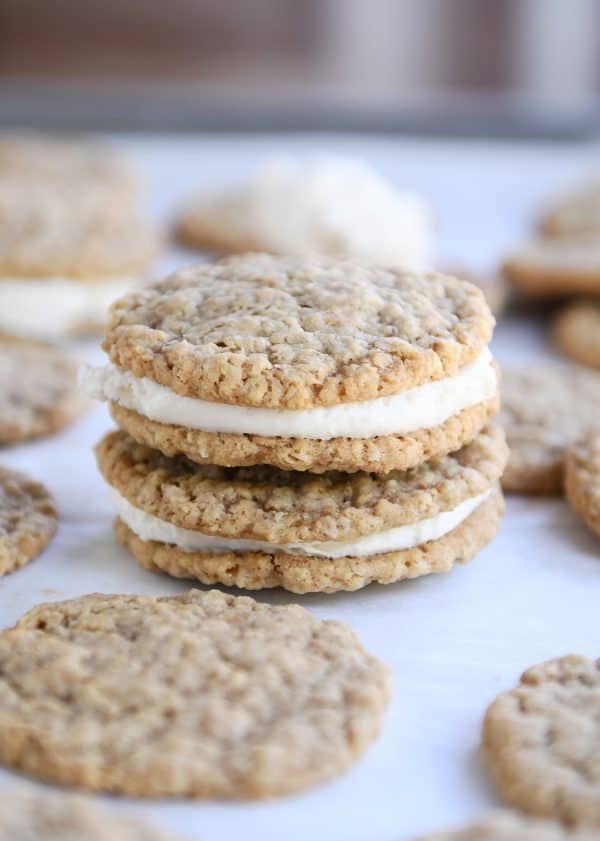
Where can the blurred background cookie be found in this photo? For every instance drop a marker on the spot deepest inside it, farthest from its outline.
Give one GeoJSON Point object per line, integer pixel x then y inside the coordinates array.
{"type": "Point", "coordinates": [582, 478]}
{"type": "Point", "coordinates": [544, 409]}
{"type": "Point", "coordinates": [552, 268]}
{"type": "Point", "coordinates": [38, 391]}
{"type": "Point", "coordinates": [72, 237]}
{"type": "Point", "coordinates": [340, 207]}
{"type": "Point", "coordinates": [28, 520]}
{"type": "Point", "coordinates": [575, 213]}
{"type": "Point", "coordinates": [28, 814]}
{"type": "Point", "coordinates": [576, 331]}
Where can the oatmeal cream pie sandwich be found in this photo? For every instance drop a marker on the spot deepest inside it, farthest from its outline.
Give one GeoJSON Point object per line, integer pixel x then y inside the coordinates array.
{"type": "Point", "coordinates": [300, 363]}
{"type": "Point", "coordinates": [255, 527]}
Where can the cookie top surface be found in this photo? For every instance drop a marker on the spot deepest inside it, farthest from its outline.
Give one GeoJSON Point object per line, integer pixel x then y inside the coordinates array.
{"type": "Point", "coordinates": [576, 331]}
{"type": "Point", "coordinates": [28, 519]}
{"type": "Point", "coordinates": [38, 391]}
{"type": "Point", "coordinates": [28, 815]}
{"type": "Point", "coordinates": [48, 232]}
{"type": "Point", "coordinates": [545, 407]}
{"type": "Point", "coordinates": [200, 694]}
{"type": "Point", "coordinates": [582, 478]}
{"type": "Point", "coordinates": [574, 213]}
{"type": "Point", "coordinates": [293, 333]}
{"type": "Point", "coordinates": [542, 741]}
{"type": "Point", "coordinates": [265, 503]}
{"type": "Point", "coordinates": [510, 826]}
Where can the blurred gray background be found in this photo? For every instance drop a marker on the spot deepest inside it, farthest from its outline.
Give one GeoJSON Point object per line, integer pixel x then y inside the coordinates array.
{"type": "Point", "coordinates": [501, 67]}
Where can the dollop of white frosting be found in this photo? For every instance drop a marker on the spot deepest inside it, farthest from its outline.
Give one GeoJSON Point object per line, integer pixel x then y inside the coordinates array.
{"type": "Point", "coordinates": [330, 205]}
{"type": "Point", "coordinates": [423, 407]}
{"type": "Point", "coordinates": [148, 527]}
{"type": "Point", "coordinates": [48, 307]}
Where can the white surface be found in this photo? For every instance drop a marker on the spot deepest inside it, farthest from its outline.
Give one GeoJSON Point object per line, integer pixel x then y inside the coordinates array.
{"type": "Point", "coordinates": [453, 641]}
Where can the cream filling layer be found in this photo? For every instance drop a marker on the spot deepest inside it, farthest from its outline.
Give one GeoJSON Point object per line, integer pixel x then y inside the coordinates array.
{"type": "Point", "coordinates": [148, 527]}
{"type": "Point", "coordinates": [422, 407]}
{"type": "Point", "coordinates": [46, 307]}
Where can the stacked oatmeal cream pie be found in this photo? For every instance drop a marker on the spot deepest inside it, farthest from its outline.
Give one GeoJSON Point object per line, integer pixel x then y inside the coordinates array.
{"type": "Point", "coordinates": [310, 423]}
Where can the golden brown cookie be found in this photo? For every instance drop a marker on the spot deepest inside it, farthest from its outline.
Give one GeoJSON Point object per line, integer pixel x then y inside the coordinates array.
{"type": "Point", "coordinates": [38, 391]}
{"type": "Point", "coordinates": [262, 527]}
{"type": "Point", "coordinates": [308, 364]}
{"type": "Point", "coordinates": [32, 815]}
{"type": "Point", "coordinates": [545, 408]}
{"type": "Point", "coordinates": [28, 519]}
{"type": "Point", "coordinates": [550, 268]}
{"type": "Point", "coordinates": [510, 826]}
{"type": "Point", "coordinates": [574, 214]}
{"type": "Point", "coordinates": [541, 741]}
{"type": "Point", "coordinates": [576, 331]}
{"type": "Point", "coordinates": [582, 478]}
{"type": "Point", "coordinates": [200, 695]}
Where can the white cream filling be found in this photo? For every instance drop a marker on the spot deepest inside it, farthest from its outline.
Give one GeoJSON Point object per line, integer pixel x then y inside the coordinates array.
{"type": "Point", "coordinates": [46, 307]}
{"type": "Point", "coordinates": [422, 407]}
{"type": "Point", "coordinates": [148, 527]}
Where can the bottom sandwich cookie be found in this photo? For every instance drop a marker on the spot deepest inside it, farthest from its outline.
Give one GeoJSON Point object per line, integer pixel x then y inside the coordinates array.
{"type": "Point", "coordinates": [261, 527]}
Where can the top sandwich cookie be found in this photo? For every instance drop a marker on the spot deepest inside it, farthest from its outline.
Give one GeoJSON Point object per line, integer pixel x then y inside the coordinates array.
{"type": "Point", "coordinates": [304, 364]}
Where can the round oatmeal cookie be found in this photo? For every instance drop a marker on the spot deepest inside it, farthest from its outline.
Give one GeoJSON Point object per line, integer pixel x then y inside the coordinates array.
{"type": "Point", "coordinates": [576, 331]}
{"type": "Point", "coordinates": [574, 214]}
{"type": "Point", "coordinates": [31, 815]}
{"type": "Point", "coordinates": [38, 388]}
{"type": "Point", "coordinates": [300, 573]}
{"type": "Point", "coordinates": [555, 267]}
{"type": "Point", "coordinates": [201, 694]}
{"type": "Point", "coordinates": [377, 455]}
{"type": "Point", "coordinates": [545, 408]}
{"type": "Point", "coordinates": [541, 741]}
{"type": "Point", "coordinates": [510, 826]}
{"type": "Point", "coordinates": [28, 519]}
{"type": "Point", "coordinates": [582, 478]}
{"type": "Point", "coordinates": [287, 333]}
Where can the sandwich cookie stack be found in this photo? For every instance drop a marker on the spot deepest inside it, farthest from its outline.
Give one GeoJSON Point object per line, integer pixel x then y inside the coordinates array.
{"type": "Point", "coordinates": [309, 423]}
